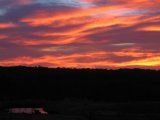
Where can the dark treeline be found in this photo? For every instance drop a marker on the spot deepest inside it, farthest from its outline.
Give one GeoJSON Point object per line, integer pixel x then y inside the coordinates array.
{"type": "Point", "coordinates": [95, 84]}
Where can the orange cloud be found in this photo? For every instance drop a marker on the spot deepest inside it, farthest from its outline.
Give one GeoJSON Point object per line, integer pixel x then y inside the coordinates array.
{"type": "Point", "coordinates": [108, 25]}
{"type": "Point", "coordinates": [126, 14]}
{"type": "Point", "coordinates": [148, 62]}
{"type": "Point", "coordinates": [3, 36]}
{"type": "Point", "coordinates": [42, 17]}
{"type": "Point", "coordinates": [150, 28]}
{"type": "Point", "coordinates": [43, 42]}
{"type": "Point", "coordinates": [6, 25]}
{"type": "Point", "coordinates": [89, 18]}
{"type": "Point", "coordinates": [71, 60]}
{"type": "Point", "coordinates": [135, 52]}
{"type": "Point", "coordinates": [73, 35]}
{"type": "Point", "coordinates": [24, 2]}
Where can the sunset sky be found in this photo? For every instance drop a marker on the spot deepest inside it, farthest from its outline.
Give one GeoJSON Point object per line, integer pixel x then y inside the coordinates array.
{"type": "Point", "coordinates": [80, 33]}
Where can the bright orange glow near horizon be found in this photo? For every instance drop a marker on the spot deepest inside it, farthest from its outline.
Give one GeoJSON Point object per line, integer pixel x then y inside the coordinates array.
{"type": "Point", "coordinates": [80, 33]}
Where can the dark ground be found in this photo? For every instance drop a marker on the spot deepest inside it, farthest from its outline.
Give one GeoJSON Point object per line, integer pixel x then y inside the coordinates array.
{"type": "Point", "coordinates": [89, 110]}
{"type": "Point", "coordinates": [81, 94]}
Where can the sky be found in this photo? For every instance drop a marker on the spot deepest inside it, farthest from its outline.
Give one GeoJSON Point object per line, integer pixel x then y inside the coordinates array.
{"type": "Point", "coordinates": [80, 33]}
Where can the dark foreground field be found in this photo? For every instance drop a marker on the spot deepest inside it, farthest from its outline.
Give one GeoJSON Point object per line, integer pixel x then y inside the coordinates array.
{"type": "Point", "coordinates": [89, 110]}
{"type": "Point", "coordinates": [81, 94]}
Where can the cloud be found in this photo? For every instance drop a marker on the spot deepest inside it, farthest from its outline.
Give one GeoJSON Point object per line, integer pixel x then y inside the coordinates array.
{"type": "Point", "coordinates": [2, 12]}
{"type": "Point", "coordinates": [24, 2]}
{"type": "Point", "coordinates": [2, 36]}
{"type": "Point", "coordinates": [95, 60]}
{"type": "Point", "coordinates": [80, 33]}
{"type": "Point", "coordinates": [7, 25]}
{"type": "Point", "coordinates": [123, 44]}
{"type": "Point", "coordinates": [150, 28]}
{"type": "Point", "coordinates": [70, 3]}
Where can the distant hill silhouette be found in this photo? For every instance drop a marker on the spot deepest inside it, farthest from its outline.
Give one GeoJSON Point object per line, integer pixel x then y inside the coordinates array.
{"type": "Point", "coordinates": [98, 84]}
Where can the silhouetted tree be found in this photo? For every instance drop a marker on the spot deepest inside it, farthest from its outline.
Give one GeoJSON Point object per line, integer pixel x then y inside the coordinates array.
{"type": "Point", "coordinates": [98, 84]}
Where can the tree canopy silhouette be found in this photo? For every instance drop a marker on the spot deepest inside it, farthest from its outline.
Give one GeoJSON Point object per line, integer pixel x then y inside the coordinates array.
{"type": "Point", "coordinates": [98, 84]}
